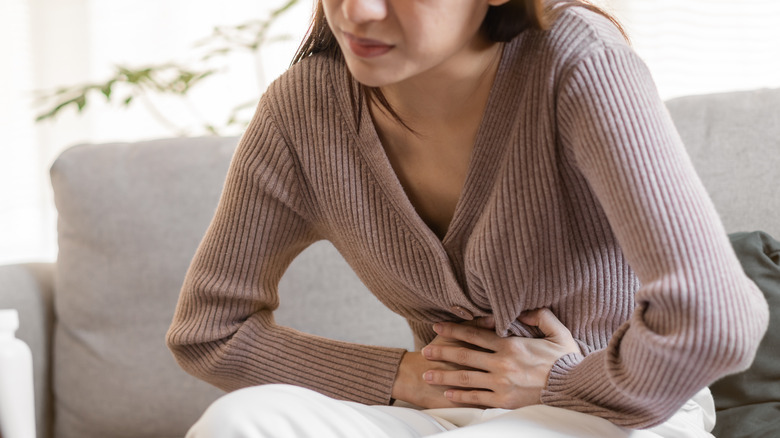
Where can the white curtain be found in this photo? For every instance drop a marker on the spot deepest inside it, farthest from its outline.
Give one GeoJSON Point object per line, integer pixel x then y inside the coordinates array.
{"type": "Point", "coordinates": [25, 232]}
{"type": "Point", "coordinates": [691, 46]}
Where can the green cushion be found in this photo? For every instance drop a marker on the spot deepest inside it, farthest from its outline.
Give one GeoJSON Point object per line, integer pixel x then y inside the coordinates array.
{"type": "Point", "coordinates": [748, 403]}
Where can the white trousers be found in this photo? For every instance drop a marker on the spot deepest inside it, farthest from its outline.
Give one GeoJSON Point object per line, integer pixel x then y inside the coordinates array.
{"type": "Point", "coordinates": [284, 411]}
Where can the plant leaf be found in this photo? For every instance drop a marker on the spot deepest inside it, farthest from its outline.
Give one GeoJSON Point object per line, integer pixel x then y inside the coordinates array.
{"type": "Point", "coordinates": [106, 90]}
{"type": "Point", "coordinates": [81, 102]}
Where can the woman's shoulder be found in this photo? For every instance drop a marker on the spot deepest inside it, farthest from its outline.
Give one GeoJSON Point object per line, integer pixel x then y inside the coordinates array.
{"type": "Point", "coordinates": [310, 77]}
{"type": "Point", "coordinates": [309, 89]}
{"type": "Point", "coordinates": [580, 26]}
{"type": "Point", "coordinates": [575, 34]}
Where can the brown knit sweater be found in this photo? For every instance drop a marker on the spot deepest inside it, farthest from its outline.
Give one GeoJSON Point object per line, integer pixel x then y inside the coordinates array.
{"type": "Point", "coordinates": [579, 197]}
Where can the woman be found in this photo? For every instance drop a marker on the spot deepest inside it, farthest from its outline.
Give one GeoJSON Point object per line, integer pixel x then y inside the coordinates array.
{"type": "Point", "coordinates": [501, 173]}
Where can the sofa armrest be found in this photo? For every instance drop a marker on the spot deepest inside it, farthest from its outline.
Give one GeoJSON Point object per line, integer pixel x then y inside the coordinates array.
{"type": "Point", "coordinates": [29, 289]}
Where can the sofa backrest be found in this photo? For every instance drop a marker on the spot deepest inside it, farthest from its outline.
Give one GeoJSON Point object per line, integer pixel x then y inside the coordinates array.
{"type": "Point", "coordinates": [734, 142]}
{"type": "Point", "coordinates": [130, 218]}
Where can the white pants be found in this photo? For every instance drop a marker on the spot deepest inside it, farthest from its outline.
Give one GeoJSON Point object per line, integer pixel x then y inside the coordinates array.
{"type": "Point", "coordinates": [284, 411]}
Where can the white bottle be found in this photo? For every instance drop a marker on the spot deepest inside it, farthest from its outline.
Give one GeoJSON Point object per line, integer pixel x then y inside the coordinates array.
{"type": "Point", "coordinates": [17, 408]}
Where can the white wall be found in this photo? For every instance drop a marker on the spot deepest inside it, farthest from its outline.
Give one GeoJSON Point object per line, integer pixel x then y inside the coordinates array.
{"type": "Point", "coordinates": [692, 47]}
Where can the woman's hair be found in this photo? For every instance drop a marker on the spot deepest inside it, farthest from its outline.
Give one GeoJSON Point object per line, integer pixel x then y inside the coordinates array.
{"type": "Point", "coordinates": [501, 24]}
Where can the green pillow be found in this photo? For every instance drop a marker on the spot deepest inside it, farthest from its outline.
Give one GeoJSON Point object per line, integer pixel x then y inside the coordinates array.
{"type": "Point", "coordinates": [748, 403]}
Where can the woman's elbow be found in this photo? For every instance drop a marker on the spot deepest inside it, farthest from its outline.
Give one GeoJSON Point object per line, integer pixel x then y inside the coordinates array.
{"type": "Point", "coordinates": [187, 355]}
{"type": "Point", "coordinates": [740, 322]}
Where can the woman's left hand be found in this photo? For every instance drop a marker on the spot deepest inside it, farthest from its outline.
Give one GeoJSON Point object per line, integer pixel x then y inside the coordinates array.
{"type": "Point", "coordinates": [507, 372]}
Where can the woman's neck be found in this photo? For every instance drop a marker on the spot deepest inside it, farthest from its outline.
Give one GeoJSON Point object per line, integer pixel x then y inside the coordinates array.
{"type": "Point", "coordinates": [449, 93]}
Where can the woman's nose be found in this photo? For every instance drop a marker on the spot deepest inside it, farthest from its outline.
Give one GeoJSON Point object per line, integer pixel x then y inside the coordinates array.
{"type": "Point", "coordinates": [363, 11]}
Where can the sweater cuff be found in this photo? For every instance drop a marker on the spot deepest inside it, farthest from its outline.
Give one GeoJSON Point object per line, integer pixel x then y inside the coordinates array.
{"type": "Point", "coordinates": [556, 381]}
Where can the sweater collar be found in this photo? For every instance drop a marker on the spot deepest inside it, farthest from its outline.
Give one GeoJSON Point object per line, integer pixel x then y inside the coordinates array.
{"type": "Point", "coordinates": [490, 144]}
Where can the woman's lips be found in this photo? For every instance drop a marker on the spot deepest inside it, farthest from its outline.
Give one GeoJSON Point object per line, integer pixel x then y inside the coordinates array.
{"type": "Point", "coordinates": [366, 48]}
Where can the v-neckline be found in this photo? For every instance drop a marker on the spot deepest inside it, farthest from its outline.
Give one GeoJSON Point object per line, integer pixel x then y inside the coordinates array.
{"type": "Point", "coordinates": [483, 162]}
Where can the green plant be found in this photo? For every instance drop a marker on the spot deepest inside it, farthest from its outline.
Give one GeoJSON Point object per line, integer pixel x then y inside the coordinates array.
{"type": "Point", "coordinates": [128, 85]}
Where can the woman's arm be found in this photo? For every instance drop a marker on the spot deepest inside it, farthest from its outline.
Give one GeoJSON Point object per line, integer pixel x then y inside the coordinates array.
{"type": "Point", "coordinates": [223, 330]}
{"type": "Point", "coordinates": [697, 317]}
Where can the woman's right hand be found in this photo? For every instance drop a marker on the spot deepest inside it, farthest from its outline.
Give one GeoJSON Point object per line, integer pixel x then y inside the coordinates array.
{"type": "Point", "coordinates": [409, 385]}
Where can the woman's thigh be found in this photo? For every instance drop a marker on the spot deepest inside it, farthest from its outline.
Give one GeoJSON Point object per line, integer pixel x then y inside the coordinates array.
{"type": "Point", "coordinates": [694, 420]}
{"type": "Point", "coordinates": [285, 411]}
{"type": "Point", "coordinates": [537, 421]}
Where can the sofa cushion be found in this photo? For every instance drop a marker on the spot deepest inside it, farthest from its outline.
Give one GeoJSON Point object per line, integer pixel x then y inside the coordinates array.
{"type": "Point", "coordinates": [130, 218]}
{"type": "Point", "coordinates": [733, 139]}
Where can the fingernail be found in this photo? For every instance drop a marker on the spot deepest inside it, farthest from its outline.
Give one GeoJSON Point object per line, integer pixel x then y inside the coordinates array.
{"type": "Point", "coordinates": [437, 327]}
{"type": "Point", "coordinates": [448, 394]}
{"type": "Point", "coordinates": [428, 376]}
{"type": "Point", "coordinates": [426, 352]}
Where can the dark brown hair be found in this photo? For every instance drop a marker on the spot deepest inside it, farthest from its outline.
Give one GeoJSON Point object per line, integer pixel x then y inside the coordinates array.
{"type": "Point", "coordinates": [501, 24]}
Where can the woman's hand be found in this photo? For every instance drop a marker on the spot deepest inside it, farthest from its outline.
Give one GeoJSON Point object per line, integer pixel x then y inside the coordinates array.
{"type": "Point", "coordinates": [409, 385]}
{"type": "Point", "coordinates": [509, 374]}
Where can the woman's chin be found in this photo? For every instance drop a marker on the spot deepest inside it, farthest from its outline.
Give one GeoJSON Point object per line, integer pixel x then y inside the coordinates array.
{"type": "Point", "coordinates": [370, 77]}
{"type": "Point", "coordinates": [370, 81]}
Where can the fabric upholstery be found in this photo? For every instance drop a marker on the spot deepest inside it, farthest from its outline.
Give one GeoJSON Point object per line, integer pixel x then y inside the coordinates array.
{"type": "Point", "coordinates": [320, 294]}
{"type": "Point", "coordinates": [734, 139]}
{"type": "Point", "coordinates": [130, 217]}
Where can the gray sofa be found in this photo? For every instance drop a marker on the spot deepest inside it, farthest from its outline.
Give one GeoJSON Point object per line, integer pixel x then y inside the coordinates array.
{"type": "Point", "coordinates": [132, 214]}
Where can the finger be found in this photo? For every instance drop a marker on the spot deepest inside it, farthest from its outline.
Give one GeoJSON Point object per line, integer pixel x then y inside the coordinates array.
{"type": "Point", "coordinates": [547, 322]}
{"type": "Point", "coordinates": [480, 337]}
{"type": "Point", "coordinates": [460, 378]}
{"type": "Point", "coordinates": [481, 398]}
{"type": "Point", "coordinates": [464, 356]}
{"type": "Point", "coordinates": [486, 322]}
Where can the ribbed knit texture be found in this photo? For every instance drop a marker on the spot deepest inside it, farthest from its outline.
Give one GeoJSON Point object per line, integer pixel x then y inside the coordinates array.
{"type": "Point", "coordinates": [579, 197]}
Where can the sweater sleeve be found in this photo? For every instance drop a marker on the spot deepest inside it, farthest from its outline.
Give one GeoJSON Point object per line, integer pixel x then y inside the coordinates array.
{"type": "Point", "coordinates": [697, 316]}
{"type": "Point", "coordinates": [223, 330]}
